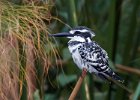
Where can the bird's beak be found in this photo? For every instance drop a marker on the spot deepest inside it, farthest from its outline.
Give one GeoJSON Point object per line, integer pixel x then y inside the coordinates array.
{"type": "Point", "coordinates": [63, 34]}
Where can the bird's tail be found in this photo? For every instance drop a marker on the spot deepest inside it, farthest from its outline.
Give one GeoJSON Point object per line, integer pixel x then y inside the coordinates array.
{"type": "Point", "coordinates": [110, 75]}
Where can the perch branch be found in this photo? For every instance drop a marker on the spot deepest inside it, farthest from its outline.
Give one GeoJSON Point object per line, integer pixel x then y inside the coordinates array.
{"type": "Point", "coordinates": [78, 85]}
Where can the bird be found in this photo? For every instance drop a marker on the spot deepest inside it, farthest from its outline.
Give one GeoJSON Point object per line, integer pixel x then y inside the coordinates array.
{"type": "Point", "coordinates": [88, 54]}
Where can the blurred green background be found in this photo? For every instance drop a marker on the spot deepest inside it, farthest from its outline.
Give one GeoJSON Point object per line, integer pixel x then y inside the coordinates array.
{"type": "Point", "coordinates": [117, 27]}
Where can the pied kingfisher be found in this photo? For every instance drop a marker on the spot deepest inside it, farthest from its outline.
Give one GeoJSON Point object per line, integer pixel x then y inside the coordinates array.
{"type": "Point", "coordinates": [87, 53]}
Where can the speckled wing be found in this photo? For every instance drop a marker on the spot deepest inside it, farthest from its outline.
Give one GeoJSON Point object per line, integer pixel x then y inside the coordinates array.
{"type": "Point", "coordinates": [96, 60]}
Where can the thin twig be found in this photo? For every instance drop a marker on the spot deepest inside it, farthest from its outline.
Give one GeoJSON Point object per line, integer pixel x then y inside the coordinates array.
{"type": "Point", "coordinates": [128, 69]}
{"type": "Point", "coordinates": [78, 85]}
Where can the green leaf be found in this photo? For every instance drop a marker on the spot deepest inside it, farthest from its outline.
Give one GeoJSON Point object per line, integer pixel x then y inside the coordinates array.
{"type": "Point", "coordinates": [137, 93]}
{"type": "Point", "coordinates": [50, 97]}
{"type": "Point", "coordinates": [64, 80]}
{"type": "Point", "coordinates": [111, 64]}
{"type": "Point", "coordinates": [66, 54]}
{"type": "Point", "coordinates": [36, 95]}
{"type": "Point", "coordinates": [100, 95]}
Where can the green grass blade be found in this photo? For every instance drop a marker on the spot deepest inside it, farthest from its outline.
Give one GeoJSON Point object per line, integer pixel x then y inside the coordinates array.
{"type": "Point", "coordinates": [137, 92]}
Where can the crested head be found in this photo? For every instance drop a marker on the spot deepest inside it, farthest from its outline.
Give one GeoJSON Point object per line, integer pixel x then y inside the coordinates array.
{"type": "Point", "coordinates": [82, 31]}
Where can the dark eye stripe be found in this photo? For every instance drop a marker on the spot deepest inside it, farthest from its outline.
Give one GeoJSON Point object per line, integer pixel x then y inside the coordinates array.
{"type": "Point", "coordinates": [77, 32]}
{"type": "Point", "coordinates": [83, 34]}
{"type": "Point", "coordinates": [86, 34]}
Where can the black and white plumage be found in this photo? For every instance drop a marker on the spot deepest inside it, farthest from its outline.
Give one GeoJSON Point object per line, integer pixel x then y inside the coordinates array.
{"type": "Point", "coordinates": [87, 53]}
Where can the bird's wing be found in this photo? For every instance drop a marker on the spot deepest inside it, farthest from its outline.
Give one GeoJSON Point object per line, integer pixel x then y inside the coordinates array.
{"type": "Point", "coordinates": [96, 57]}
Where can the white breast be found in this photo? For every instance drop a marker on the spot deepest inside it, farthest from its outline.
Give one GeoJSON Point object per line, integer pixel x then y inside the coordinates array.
{"type": "Point", "coordinates": [78, 60]}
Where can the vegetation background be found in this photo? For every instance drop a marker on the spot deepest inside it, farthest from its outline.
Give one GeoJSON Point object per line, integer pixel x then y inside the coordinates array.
{"type": "Point", "coordinates": [35, 67]}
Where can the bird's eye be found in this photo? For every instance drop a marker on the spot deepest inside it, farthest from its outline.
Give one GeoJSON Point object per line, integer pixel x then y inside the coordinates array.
{"type": "Point", "coordinates": [77, 32]}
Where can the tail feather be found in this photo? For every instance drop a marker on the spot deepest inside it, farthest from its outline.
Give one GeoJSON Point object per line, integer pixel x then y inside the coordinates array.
{"type": "Point", "coordinates": [109, 74]}
{"type": "Point", "coordinates": [115, 79]}
{"type": "Point", "coordinates": [113, 75]}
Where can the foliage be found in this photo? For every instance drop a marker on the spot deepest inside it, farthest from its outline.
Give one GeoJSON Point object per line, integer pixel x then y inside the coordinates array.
{"type": "Point", "coordinates": [116, 24]}
{"type": "Point", "coordinates": [24, 42]}
{"type": "Point", "coordinates": [29, 59]}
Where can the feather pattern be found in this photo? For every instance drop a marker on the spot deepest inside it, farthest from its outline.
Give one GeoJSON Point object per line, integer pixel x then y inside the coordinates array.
{"type": "Point", "coordinates": [87, 53]}
{"type": "Point", "coordinates": [91, 56]}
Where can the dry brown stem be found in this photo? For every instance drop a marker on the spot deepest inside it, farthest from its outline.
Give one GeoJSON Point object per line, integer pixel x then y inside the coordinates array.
{"type": "Point", "coordinates": [78, 85]}
{"type": "Point", "coordinates": [128, 69]}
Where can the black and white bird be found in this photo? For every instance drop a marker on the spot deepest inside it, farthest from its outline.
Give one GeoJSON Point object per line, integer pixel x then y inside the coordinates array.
{"type": "Point", "coordinates": [87, 53]}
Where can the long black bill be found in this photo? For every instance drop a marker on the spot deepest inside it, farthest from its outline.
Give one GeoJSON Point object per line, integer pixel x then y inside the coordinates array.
{"type": "Point", "coordinates": [63, 34]}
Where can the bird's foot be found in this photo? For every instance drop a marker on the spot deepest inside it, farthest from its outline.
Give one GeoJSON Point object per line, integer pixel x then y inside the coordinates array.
{"type": "Point", "coordinates": [84, 72]}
